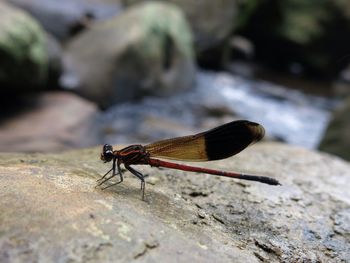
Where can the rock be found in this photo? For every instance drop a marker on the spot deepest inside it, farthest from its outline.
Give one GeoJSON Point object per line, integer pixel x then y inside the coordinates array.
{"type": "Point", "coordinates": [51, 211]}
{"type": "Point", "coordinates": [211, 21]}
{"type": "Point", "coordinates": [337, 136]}
{"type": "Point", "coordinates": [63, 18]}
{"type": "Point", "coordinates": [110, 64]}
{"type": "Point", "coordinates": [51, 122]}
{"type": "Point", "coordinates": [23, 63]}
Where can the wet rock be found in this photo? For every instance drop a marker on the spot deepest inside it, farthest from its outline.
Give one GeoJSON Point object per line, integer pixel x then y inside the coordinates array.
{"type": "Point", "coordinates": [110, 64]}
{"type": "Point", "coordinates": [49, 122]}
{"type": "Point", "coordinates": [50, 210]}
{"type": "Point", "coordinates": [337, 136]}
{"type": "Point", "coordinates": [23, 63]}
{"type": "Point", "coordinates": [63, 18]}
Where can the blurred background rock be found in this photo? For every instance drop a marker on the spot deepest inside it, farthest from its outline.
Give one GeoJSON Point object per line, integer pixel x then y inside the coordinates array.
{"type": "Point", "coordinates": [77, 73]}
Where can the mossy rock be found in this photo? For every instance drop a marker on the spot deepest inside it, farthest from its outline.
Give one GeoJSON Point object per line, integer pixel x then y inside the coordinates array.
{"type": "Point", "coordinates": [23, 51]}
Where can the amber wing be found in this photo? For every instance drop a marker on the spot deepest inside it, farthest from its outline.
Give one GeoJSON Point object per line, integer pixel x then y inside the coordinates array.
{"type": "Point", "coordinates": [215, 144]}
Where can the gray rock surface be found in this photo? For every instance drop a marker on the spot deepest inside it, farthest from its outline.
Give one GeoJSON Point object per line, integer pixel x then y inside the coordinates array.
{"type": "Point", "coordinates": [51, 212]}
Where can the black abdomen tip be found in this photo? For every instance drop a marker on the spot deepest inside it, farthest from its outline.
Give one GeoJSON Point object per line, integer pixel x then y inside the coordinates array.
{"type": "Point", "coordinates": [270, 181]}
{"type": "Point", "coordinates": [261, 179]}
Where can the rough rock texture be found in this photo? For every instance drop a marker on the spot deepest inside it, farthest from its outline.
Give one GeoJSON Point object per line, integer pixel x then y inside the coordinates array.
{"type": "Point", "coordinates": [146, 50]}
{"type": "Point", "coordinates": [53, 121]}
{"type": "Point", "coordinates": [337, 136]}
{"type": "Point", "coordinates": [50, 210]}
{"type": "Point", "coordinates": [23, 53]}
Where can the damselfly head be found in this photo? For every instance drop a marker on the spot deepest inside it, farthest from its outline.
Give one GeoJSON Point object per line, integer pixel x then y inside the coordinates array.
{"type": "Point", "coordinates": [107, 153]}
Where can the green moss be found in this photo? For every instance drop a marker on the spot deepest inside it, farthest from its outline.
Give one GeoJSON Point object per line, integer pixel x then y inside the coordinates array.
{"type": "Point", "coordinates": [22, 48]}
{"type": "Point", "coordinates": [172, 24]}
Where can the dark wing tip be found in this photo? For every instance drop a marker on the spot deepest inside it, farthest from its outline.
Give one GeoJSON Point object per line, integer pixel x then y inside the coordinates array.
{"type": "Point", "coordinates": [257, 130]}
{"type": "Point", "coordinates": [231, 138]}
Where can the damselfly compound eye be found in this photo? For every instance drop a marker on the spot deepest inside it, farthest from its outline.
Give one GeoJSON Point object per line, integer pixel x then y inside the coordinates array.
{"type": "Point", "coordinates": [107, 153]}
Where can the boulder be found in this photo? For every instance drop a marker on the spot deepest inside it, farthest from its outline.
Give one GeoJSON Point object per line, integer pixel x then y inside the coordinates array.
{"type": "Point", "coordinates": [47, 122]}
{"type": "Point", "coordinates": [211, 21]}
{"type": "Point", "coordinates": [146, 50]}
{"type": "Point", "coordinates": [24, 62]}
{"type": "Point", "coordinates": [51, 211]}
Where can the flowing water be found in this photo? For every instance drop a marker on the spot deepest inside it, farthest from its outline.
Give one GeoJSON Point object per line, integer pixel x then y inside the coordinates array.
{"type": "Point", "coordinates": [286, 114]}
